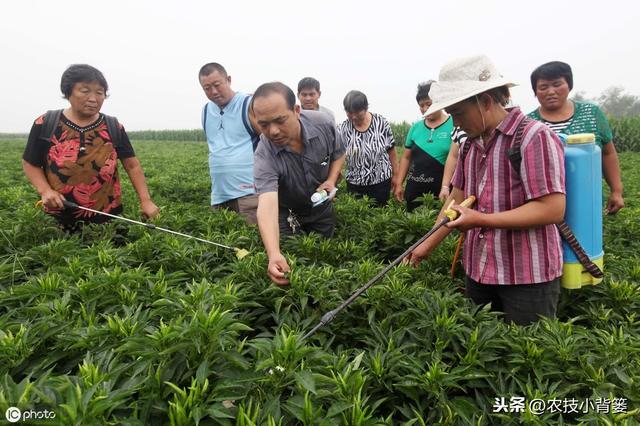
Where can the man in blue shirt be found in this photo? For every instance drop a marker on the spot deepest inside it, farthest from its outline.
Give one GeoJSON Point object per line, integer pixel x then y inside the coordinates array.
{"type": "Point", "coordinates": [231, 138]}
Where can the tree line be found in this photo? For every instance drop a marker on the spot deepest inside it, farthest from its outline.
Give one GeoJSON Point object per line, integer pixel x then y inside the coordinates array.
{"type": "Point", "coordinates": [623, 110]}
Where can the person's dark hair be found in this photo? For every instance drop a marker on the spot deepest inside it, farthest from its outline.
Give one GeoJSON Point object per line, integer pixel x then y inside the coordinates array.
{"type": "Point", "coordinates": [500, 95]}
{"type": "Point", "coordinates": [423, 90]}
{"type": "Point", "coordinates": [355, 101]}
{"type": "Point", "coordinates": [275, 87]}
{"type": "Point", "coordinates": [210, 68]}
{"type": "Point", "coordinates": [308, 83]}
{"type": "Point", "coordinates": [81, 73]}
{"type": "Point", "coordinates": [552, 71]}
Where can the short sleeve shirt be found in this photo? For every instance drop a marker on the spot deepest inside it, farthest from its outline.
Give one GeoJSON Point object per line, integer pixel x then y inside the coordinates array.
{"type": "Point", "coordinates": [367, 152]}
{"type": "Point", "coordinates": [327, 111]}
{"type": "Point", "coordinates": [81, 164]}
{"type": "Point", "coordinates": [507, 256]}
{"type": "Point", "coordinates": [296, 176]}
{"type": "Point", "coordinates": [434, 141]}
{"type": "Point", "coordinates": [587, 118]}
{"type": "Point", "coordinates": [230, 149]}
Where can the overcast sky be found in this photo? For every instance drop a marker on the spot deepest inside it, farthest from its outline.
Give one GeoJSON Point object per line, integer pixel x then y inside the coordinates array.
{"type": "Point", "coordinates": [150, 51]}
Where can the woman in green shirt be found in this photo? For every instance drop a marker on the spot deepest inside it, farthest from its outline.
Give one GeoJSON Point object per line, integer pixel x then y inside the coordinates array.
{"type": "Point", "coordinates": [551, 83]}
{"type": "Point", "coordinates": [426, 149]}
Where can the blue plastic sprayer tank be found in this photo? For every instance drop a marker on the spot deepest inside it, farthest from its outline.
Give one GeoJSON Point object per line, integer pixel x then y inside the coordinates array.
{"type": "Point", "coordinates": [583, 173]}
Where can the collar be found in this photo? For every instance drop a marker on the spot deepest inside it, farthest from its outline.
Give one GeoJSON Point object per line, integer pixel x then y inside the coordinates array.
{"type": "Point", "coordinates": [307, 132]}
{"type": "Point", "coordinates": [510, 123]}
{"type": "Point", "coordinates": [234, 99]}
{"type": "Point", "coordinates": [507, 126]}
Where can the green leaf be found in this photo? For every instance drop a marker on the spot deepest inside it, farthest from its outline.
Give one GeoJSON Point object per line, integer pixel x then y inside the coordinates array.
{"type": "Point", "coordinates": [306, 381]}
{"type": "Point", "coordinates": [219, 412]}
{"type": "Point", "coordinates": [338, 407]}
{"type": "Point", "coordinates": [203, 372]}
{"type": "Point", "coordinates": [624, 378]}
{"type": "Point", "coordinates": [357, 360]}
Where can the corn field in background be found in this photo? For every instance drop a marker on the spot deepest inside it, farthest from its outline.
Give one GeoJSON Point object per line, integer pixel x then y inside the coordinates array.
{"type": "Point", "coordinates": [196, 135]}
{"type": "Point", "coordinates": [626, 133]}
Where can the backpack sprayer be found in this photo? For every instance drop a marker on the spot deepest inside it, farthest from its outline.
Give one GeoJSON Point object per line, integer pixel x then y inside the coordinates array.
{"type": "Point", "coordinates": [240, 253]}
{"type": "Point", "coordinates": [450, 215]}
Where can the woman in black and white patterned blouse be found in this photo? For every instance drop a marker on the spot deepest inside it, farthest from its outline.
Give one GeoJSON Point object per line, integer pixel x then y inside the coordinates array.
{"type": "Point", "coordinates": [372, 163]}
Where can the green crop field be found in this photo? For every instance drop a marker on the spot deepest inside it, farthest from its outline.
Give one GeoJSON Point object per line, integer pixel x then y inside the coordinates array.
{"type": "Point", "coordinates": [124, 325]}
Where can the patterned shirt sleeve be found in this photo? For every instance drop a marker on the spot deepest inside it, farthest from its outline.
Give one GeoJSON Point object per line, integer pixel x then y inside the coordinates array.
{"type": "Point", "coordinates": [388, 134]}
{"type": "Point", "coordinates": [458, 136]}
{"type": "Point", "coordinates": [542, 166]}
{"type": "Point", "coordinates": [603, 126]}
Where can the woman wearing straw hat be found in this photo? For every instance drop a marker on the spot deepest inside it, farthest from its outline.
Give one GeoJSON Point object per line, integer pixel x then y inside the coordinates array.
{"type": "Point", "coordinates": [512, 251]}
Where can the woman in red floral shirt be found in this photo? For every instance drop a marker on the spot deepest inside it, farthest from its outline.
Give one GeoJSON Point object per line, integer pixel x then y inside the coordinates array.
{"type": "Point", "coordinates": [77, 159]}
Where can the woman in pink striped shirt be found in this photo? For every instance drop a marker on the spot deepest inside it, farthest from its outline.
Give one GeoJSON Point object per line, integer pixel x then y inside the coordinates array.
{"type": "Point", "coordinates": [512, 251]}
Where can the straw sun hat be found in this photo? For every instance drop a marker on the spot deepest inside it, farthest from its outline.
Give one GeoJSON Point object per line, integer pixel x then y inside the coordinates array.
{"type": "Point", "coordinates": [463, 78]}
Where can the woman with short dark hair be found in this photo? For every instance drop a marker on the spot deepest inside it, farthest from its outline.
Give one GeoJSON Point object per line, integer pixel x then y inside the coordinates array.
{"type": "Point", "coordinates": [551, 84]}
{"type": "Point", "coordinates": [372, 162]}
{"type": "Point", "coordinates": [71, 154]}
{"type": "Point", "coordinates": [427, 152]}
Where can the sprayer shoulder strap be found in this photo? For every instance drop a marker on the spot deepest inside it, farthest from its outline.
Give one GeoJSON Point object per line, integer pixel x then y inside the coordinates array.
{"type": "Point", "coordinates": [255, 137]}
{"type": "Point", "coordinates": [113, 127]}
{"type": "Point", "coordinates": [51, 119]}
{"type": "Point", "coordinates": [515, 158]}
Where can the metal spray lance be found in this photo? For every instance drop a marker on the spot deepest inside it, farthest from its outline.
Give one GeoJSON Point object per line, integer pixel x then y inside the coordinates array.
{"type": "Point", "coordinates": [450, 215]}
